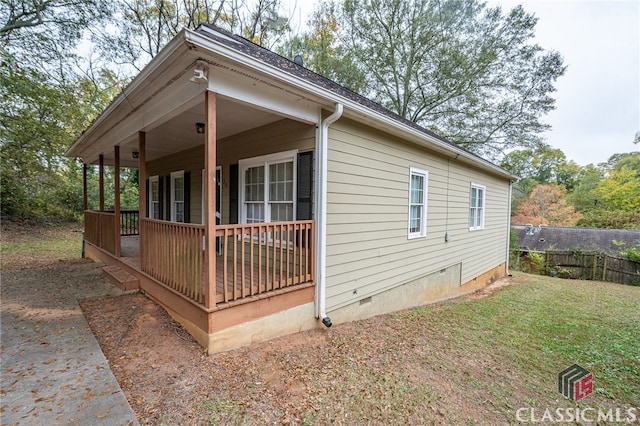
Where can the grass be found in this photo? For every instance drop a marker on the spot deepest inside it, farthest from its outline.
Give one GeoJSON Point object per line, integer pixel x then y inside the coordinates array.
{"type": "Point", "coordinates": [471, 361]}
{"type": "Point", "coordinates": [464, 361]}
{"type": "Point", "coordinates": [28, 245]}
{"type": "Point", "coordinates": [541, 326]}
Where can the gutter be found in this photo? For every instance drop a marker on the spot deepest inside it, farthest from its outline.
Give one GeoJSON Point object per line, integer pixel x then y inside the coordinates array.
{"type": "Point", "coordinates": [322, 140]}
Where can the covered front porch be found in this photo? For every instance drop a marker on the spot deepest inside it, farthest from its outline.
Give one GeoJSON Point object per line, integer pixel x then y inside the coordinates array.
{"type": "Point", "coordinates": [262, 270]}
{"type": "Point", "coordinates": [228, 169]}
{"type": "Point", "coordinates": [251, 260]}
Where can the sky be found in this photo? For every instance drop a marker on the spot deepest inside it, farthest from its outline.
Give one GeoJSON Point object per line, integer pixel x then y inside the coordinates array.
{"type": "Point", "coordinates": [598, 99]}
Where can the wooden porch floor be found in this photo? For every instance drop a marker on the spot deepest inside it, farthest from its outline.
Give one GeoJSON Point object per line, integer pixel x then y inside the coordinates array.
{"type": "Point", "coordinates": [130, 255]}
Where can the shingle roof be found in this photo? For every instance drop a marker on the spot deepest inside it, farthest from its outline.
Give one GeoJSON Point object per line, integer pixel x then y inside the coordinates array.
{"type": "Point", "coordinates": [290, 67]}
{"type": "Point", "coordinates": [543, 238]}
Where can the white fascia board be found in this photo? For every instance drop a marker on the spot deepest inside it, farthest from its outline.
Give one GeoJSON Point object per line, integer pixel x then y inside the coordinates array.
{"type": "Point", "coordinates": [330, 99]}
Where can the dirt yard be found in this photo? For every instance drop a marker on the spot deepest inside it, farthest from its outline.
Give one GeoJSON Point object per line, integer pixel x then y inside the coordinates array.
{"type": "Point", "coordinates": [329, 376]}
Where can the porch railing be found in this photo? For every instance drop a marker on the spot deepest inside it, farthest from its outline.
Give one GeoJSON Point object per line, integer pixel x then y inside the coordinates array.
{"type": "Point", "coordinates": [257, 258]}
{"type": "Point", "coordinates": [173, 253]}
{"type": "Point", "coordinates": [129, 222]}
{"type": "Point", "coordinates": [252, 258]}
{"type": "Point", "coordinates": [99, 229]}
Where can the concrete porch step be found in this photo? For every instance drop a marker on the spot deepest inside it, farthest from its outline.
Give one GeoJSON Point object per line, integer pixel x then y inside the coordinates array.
{"type": "Point", "coordinates": [125, 280]}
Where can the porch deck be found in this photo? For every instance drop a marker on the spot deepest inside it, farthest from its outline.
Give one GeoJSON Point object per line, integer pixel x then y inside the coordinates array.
{"type": "Point", "coordinates": [130, 252]}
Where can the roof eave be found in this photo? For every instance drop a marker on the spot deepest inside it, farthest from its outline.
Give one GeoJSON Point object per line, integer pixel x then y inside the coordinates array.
{"type": "Point", "coordinates": [330, 98]}
{"type": "Point", "coordinates": [121, 99]}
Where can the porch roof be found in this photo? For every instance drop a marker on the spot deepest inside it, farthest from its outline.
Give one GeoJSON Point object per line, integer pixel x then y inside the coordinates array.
{"type": "Point", "coordinates": [166, 100]}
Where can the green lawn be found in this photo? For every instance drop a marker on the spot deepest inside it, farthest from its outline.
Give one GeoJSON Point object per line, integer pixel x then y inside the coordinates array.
{"type": "Point", "coordinates": [464, 361]}
{"type": "Point", "coordinates": [28, 246]}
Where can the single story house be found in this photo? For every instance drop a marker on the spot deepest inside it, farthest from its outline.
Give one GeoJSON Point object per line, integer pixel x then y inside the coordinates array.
{"type": "Point", "coordinates": [273, 200]}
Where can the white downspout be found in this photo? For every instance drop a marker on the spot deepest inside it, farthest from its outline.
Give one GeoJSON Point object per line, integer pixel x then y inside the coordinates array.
{"type": "Point", "coordinates": [509, 229]}
{"type": "Point", "coordinates": [321, 219]}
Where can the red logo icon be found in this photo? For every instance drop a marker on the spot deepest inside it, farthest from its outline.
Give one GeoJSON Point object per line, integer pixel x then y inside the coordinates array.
{"type": "Point", "coordinates": [575, 382]}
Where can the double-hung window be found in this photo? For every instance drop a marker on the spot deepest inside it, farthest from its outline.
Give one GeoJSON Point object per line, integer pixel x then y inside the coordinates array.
{"type": "Point", "coordinates": [154, 197]}
{"type": "Point", "coordinates": [417, 202]}
{"type": "Point", "coordinates": [268, 188]}
{"type": "Point", "coordinates": [476, 207]}
{"type": "Point", "coordinates": [177, 196]}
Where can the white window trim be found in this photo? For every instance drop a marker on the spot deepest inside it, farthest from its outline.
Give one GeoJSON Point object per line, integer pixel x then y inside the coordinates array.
{"type": "Point", "coordinates": [265, 160]}
{"type": "Point", "coordinates": [174, 176]}
{"type": "Point", "coordinates": [152, 179]}
{"type": "Point", "coordinates": [423, 225]}
{"type": "Point", "coordinates": [483, 207]}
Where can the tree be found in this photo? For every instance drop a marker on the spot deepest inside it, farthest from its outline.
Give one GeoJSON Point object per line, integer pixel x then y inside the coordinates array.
{"type": "Point", "coordinates": [546, 205]}
{"type": "Point", "coordinates": [607, 196]}
{"type": "Point", "coordinates": [543, 164]}
{"type": "Point", "coordinates": [45, 101]}
{"type": "Point", "coordinates": [583, 197]}
{"type": "Point", "coordinates": [621, 189]}
{"type": "Point", "coordinates": [38, 122]}
{"type": "Point", "coordinates": [144, 27]}
{"type": "Point", "coordinates": [631, 160]}
{"type": "Point", "coordinates": [459, 68]}
{"type": "Point", "coordinates": [67, 17]}
{"type": "Point", "coordinates": [323, 51]}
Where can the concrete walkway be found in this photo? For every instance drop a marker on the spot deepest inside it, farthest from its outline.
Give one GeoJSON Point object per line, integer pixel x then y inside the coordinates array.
{"type": "Point", "coordinates": [53, 371]}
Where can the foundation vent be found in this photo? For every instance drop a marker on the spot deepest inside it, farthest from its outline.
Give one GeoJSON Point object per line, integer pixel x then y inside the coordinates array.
{"type": "Point", "coordinates": [365, 300]}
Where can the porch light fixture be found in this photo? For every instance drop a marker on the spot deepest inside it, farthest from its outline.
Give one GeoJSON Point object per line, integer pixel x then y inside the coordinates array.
{"type": "Point", "coordinates": [135, 154]}
{"type": "Point", "coordinates": [200, 128]}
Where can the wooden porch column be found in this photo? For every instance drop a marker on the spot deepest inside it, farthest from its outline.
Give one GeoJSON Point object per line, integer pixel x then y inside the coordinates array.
{"type": "Point", "coordinates": [116, 200]}
{"type": "Point", "coordinates": [85, 196]}
{"type": "Point", "coordinates": [210, 199]}
{"type": "Point", "coordinates": [101, 180]}
{"type": "Point", "coordinates": [142, 190]}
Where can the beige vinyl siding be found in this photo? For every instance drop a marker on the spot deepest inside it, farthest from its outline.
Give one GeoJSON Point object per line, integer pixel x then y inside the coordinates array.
{"type": "Point", "coordinates": [368, 250]}
{"type": "Point", "coordinates": [283, 135]}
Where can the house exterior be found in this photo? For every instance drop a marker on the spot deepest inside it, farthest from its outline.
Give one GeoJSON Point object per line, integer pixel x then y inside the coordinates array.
{"type": "Point", "coordinates": [273, 200]}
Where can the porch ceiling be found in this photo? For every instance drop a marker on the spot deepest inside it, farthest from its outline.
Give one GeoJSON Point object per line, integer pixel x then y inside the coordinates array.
{"type": "Point", "coordinates": [179, 133]}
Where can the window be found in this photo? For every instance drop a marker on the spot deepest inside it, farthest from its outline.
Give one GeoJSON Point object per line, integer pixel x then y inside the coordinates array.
{"type": "Point", "coordinates": [268, 188]}
{"type": "Point", "coordinates": [154, 197]}
{"type": "Point", "coordinates": [417, 202]}
{"type": "Point", "coordinates": [476, 207]}
{"type": "Point", "coordinates": [177, 196]}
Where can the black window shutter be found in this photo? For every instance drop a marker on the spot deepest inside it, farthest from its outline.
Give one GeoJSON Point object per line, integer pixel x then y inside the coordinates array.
{"type": "Point", "coordinates": [233, 193]}
{"type": "Point", "coordinates": [167, 212]}
{"type": "Point", "coordinates": [304, 209]}
{"type": "Point", "coordinates": [187, 197]}
{"type": "Point", "coordinates": [161, 197]}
